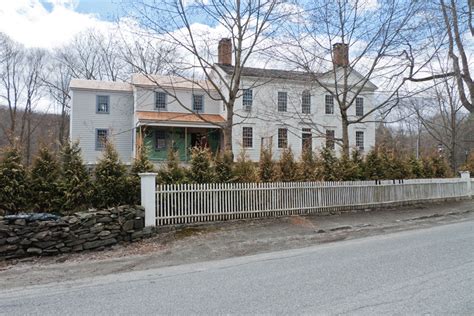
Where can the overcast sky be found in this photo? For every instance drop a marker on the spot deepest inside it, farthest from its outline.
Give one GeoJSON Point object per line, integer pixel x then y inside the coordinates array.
{"type": "Point", "coordinates": [51, 23]}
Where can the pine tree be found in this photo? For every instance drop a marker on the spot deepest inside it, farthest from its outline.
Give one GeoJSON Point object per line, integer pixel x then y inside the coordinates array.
{"type": "Point", "coordinates": [140, 164]}
{"type": "Point", "coordinates": [75, 184]}
{"type": "Point", "coordinates": [287, 168]}
{"type": "Point", "coordinates": [245, 170]}
{"type": "Point", "coordinates": [415, 167]}
{"type": "Point", "coordinates": [266, 167]}
{"type": "Point", "coordinates": [346, 169]}
{"type": "Point", "coordinates": [359, 165]}
{"type": "Point", "coordinates": [223, 165]}
{"type": "Point", "coordinates": [13, 179]}
{"type": "Point", "coordinates": [328, 165]}
{"type": "Point", "coordinates": [172, 172]}
{"type": "Point", "coordinates": [308, 165]}
{"type": "Point", "coordinates": [202, 170]}
{"type": "Point", "coordinates": [44, 186]}
{"type": "Point", "coordinates": [428, 170]}
{"type": "Point", "coordinates": [110, 179]}
{"type": "Point", "coordinates": [469, 164]}
{"type": "Point", "coordinates": [441, 167]}
{"type": "Point", "coordinates": [373, 166]}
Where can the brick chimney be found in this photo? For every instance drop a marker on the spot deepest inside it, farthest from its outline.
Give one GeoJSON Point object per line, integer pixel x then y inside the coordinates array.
{"type": "Point", "coordinates": [225, 51]}
{"type": "Point", "coordinates": [340, 54]}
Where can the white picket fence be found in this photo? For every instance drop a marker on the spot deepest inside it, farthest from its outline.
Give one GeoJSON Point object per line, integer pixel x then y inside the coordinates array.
{"type": "Point", "coordinates": [191, 203]}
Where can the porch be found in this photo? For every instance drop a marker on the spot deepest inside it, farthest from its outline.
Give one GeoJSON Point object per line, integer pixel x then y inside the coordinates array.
{"type": "Point", "coordinates": [160, 132]}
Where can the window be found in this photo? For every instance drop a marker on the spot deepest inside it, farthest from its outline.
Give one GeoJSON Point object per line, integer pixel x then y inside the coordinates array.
{"type": "Point", "coordinates": [198, 102]}
{"type": "Point", "coordinates": [306, 139]}
{"type": "Point", "coordinates": [247, 99]}
{"type": "Point", "coordinates": [103, 104]}
{"type": "Point", "coordinates": [329, 102]}
{"type": "Point", "coordinates": [282, 101]}
{"type": "Point", "coordinates": [330, 136]}
{"type": "Point", "coordinates": [359, 106]}
{"type": "Point", "coordinates": [306, 102]}
{"type": "Point", "coordinates": [101, 136]}
{"type": "Point", "coordinates": [360, 140]}
{"type": "Point", "coordinates": [247, 137]}
{"type": "Point", "coordinates": [160, 100]}
{"type": "Point", "coordinates": [160, 140]}
{"type": "Point", "coordinates": [282, 138]}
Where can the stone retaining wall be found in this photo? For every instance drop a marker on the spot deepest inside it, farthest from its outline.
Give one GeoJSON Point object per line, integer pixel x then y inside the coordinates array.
{"type": "Point", "coordinates": [81, 231]}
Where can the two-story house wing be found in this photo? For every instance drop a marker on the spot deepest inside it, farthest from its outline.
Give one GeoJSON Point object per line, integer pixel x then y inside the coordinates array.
{"type": "Point", "coordinates": [277, 108]}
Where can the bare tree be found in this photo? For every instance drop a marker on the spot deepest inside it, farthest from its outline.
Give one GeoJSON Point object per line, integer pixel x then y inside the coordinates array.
{"type": "Point", "coordinates": [453, 19]}
{"type": "Point", "coordinates": [347, 46]}
{"type": "Point", "coordinates": [176, 23]}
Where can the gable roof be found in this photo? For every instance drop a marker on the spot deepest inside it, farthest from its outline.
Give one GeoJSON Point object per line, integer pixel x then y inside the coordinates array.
{"type": "Point", "coordinates": [285, 74]}
{"type": "Point", "coordinates": [170, 82]}
{"type": "Point", "coordinates": [100, 85]}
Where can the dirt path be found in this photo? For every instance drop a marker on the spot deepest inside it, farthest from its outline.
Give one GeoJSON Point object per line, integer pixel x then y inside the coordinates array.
{"type": "Point", "coordinates": [230, 239]}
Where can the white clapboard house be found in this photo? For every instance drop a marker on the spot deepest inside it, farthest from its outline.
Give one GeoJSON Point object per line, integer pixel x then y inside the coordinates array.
{"type": "Point", "coordinates": [277, 108]}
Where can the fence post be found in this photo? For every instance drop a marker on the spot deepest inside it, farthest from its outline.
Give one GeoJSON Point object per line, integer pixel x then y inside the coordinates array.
{"type": "Point", "coordinates": [148, 196]}
{"type": "Point", "coordinates": [466, 176]}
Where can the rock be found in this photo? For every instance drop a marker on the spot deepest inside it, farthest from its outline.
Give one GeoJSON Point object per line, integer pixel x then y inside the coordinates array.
{"type": "Point", "coordinates": [139, 223]}
{"type": "Point", "coordinates": [8, 248]}
{"type": "Point", "coordinates": [44, 244]}
{"type": "Point", "coordinates": [60, 245]}
{"type": "Point", "coordinates": [87, 236]}
{"type": "Point", "coordinates": [51, 251]}
{"type": "Point", "coordinates": [128, 225]}
{"type": "Point", "coordinates": [20, 222]}
{"type": "Point", "coordinates": [104, 233]}
{"type": "Point", "coordinates": [104, 220]}
{"type": "Point", "coordinates": [41, 235]}
{"type": "Point", "coordinates": [140, 213]}
{"type": "Point", "coordinates": [97, 228]}
{"type": "Point", "coordinates": [89, 222]}
{"type": "Point", "coordinates": [13, 240]}
{"type": "Point", "coordinates": [65, 249]}
{"type": "Point", "coordinates": [137, 235]}
{"type": "Point", "coordinates": [99, 243]}
{"type": "Point", "coordinates": [75, 242]}
{"type": "Point", "coordinates": [25, 242]}
{"type": "Point", "coordinates": [34, 251]}
{"type": "Point", "coordinates": [78, 248]}
{"type": "Point", "coordinates": [103, 213]}
{"type": "Point", "coordinates": [3, 241]}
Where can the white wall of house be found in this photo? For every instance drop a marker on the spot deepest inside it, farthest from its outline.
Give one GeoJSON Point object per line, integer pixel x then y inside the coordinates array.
{"type": "Point", "coordinates": [145, 100]}
{"type": "Point", "coordinates": [265, 119]}
{"type": "Point", "coordinates": [119, 122]}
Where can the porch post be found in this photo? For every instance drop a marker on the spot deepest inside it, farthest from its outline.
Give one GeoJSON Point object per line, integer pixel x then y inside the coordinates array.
{"type": "Point", "coordinates": [148, 196]}
{"type": "Point", "coordinates": [186, 144]}
{"type": "Point", "coordinates": [466, 176]}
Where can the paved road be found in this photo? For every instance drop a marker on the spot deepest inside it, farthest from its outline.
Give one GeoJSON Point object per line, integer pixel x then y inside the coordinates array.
{"type": "Point", "coordinates": [415, 272]}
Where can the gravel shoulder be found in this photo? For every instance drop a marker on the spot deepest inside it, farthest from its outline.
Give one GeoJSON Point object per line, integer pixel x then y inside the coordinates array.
{"type": "Point", "coordinates": [213, 241]}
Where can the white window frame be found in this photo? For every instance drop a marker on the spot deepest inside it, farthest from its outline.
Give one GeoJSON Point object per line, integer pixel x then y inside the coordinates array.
{"type": "Point", "coordinates": [247, 137]}
{"type": "Point", "coordinates": [282, 138]}
{"type": "Point", "coordinates": [98, 108]}
{"type": "Point", "coordinates": [306, 102]}
{"type": "Point", "coordinates": [331, 139]}
{"type": "Point", "coordinates": [100, 145]}
{"type": "Point", "coordinates": [360, 140]}
{"type": "Point", "coordinates": [328, 104]}
{"type": "Point", "coordinates": [247, 99]}
{"type": "Point", "coordinates": [165, 99]}
{"type": "Point", "coordinates": [282, 100]}
{"type": "Point", "coordinates": [359, 108]}
{"type": "Point", "coordinates": [194, 103]}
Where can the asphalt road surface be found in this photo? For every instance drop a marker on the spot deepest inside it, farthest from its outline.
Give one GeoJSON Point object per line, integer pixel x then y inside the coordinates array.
{"type": "Point", "coordinates": [425, 271]}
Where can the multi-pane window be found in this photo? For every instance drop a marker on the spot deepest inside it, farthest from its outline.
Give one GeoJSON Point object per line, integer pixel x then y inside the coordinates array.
{"type": "Point", "coordinates": [103, 104]}
{"type": "Point", "coordinates": [360, 140]}
{"type": "Point", "coordinates": [329, 104]}
{"type": "Point", "coordinates": [282, 138]}
{"type": "Point", "coordinates": [247, 99]}
{"type": "Point", "coordinates": [198, 102]}
{"type": "Point", "coordinates": [330, 136]}
{"type": "Point", "coordinates": [306, 139]}
{"type": "Point", "coordinates": [282, 101]}
{"type": "Point", "coordinates": [247, 137]}
{"type": "Point", "coordinates": [101, 136]}
{"type": "Point", "coordinates": [160, 100]}
{"type": "Point", "coordinates": [306, 102]}
{"type": "Point", "coordinates": [359, 106]}
{"type": "Point", "coordinates": [160, 140]}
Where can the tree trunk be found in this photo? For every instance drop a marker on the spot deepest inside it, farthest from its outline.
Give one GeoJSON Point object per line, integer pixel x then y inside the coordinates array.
{"type": "Point", "coordinates": [227, 131]}
{"type": "Point", "coordinates": [345, 133]}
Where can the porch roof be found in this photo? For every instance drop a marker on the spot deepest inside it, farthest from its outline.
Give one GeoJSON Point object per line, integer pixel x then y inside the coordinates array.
{"type": "Point", "coordinates": [179, 119]}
